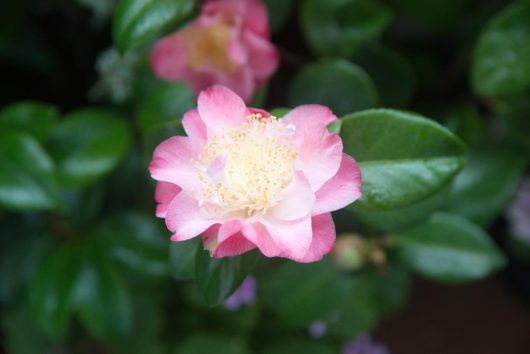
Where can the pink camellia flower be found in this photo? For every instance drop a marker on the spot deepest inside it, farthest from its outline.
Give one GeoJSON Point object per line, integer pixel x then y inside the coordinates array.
{"type": "Point", "coordinates": [244, 179]}
{"type": "Point", "coordinates": [227, 44]}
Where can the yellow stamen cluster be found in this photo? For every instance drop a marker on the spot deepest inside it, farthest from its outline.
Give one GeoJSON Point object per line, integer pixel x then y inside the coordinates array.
{"type": "Point", "coordinates": [247, 168]}
{"type": "Point", "coordinates": [208, 47]}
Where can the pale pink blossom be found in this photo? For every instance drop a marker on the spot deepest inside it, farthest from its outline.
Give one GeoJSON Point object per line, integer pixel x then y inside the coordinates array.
{"type": "Point", "coordinates": [243, 179]}
{"type": "Point", "coordinates": [228, 44]}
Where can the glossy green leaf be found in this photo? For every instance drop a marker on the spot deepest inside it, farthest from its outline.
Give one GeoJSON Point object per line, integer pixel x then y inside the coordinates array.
{"type": "Point", "coordinates": [392, 75]}
{"type": "Point", "coordinates": [52, 291]}
{"type": "Point", "coordinates": [301, 293]}
{"type": "Point", "coordinates": [137, 240]}
{"type": "Point", "coordinates": [102, 300]}
{"type": "Point", "coordinates": [26, 174]}
{"type": "Point", "coordinates": [486, 184]}
{"type": "Point", "coordinates": [338, 84]}
{"type": "Point", "coordinates": [34, 118]}
{"type": "Point", "coordinates": [404, 158]}
{"type": "Point", "coordinates": [501, 64]}
{"type": "Point", "coordinates": [182, 258]}
{"type": "Point", "coordinates": [337, 27]}
{"type": "Point", "coordinates": [449, 249]}
{"type": "Point", "coordinates": [400, 218]}
{"type": "Point", "coordinates": [164, 106]}
{"type": "Point", "coordinates": [88, 144]}
{"type": "Point", "coordinates": [137, 20]}
{"type": "Point", "coordinates": [217, 278]}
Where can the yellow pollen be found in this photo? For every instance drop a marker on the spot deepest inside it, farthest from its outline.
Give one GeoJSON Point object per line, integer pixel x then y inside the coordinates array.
{"type": "Point", "coordinates": [246, 169]}
{"type": "Point", "coordinates": [208, 47]}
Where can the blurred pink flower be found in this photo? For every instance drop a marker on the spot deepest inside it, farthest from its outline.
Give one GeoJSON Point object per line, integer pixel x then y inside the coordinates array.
{"type": "Point", "coordinates": [227, 44]}
{"type": "Point", "coordinates": [244, 295]}
{"type": "Point", "coordinates": [244, 179]}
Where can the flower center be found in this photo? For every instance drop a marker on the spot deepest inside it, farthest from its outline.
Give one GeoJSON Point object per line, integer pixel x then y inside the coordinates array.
{"type": "Point", "coordinates": [247, 168]}
{"type": "Point", "coordinates": [208, 47]}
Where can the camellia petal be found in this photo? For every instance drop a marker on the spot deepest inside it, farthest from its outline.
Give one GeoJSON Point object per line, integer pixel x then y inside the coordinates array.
{"type": "Point", "coordinates": [193, 125]}
{"type": "Point", "coordinates": [183, 217]}
{"type": "Point", "coordinates": [172, 162]}
{"type": "Point", "coordinates": [165, 192]}
{"type": "Point", "coordinates": [219, 108]}
{"type": "Point", "coordinates": [235, 245]}
{"type": "Point", "coordinates": [258, 234]}
{"type": "Point", "coordinates": [341, 190]}
{"type": "Point", "coordinates": [293, 237]}
{"type": "Point", "coordinates": [320, 152]}
{"type": "Point", "coordinates": [297, 202]}
{"type": "Point", "coordinates": [245, 179]}
{"type": "Point", "coordinates": [323, 238]}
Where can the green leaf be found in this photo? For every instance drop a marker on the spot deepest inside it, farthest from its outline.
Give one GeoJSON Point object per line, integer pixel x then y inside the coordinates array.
{"type": "Point", "coordinates": [137, 20]}
{"type": "Point", "coordinates": [88, 144]}
{"type": "Point", "coordinates": [217, 278]}
{"type": "Point", "coordinates": [338, 84]}
{"type": "Point", "coordinates": [337, 27]}
{"type": "Point", "coordinates": [102, 300]}
{"type": "Point", "coordinates": [392, 75]}
{"type": "Point", "coordinates": [486, 184]}
{"type": "Point", "coordinates": [404, 158]}
{"type": "Point", "coordinates": [299, 294]}
{"type": "Point", "coordinates": [164, 106]}
{"type": "Point", "coordinates": [501, 64]}
{"type": "Point", "coordinates": [201, 343]}
{"type": "Point", "coordinates": [26, 174]}
{"type": "Point", "coordinates": [400, 218]}
{"type": "Point", "coordinates": [182, 258]}
{"type": "Point", "coordinates": [34, 118]}
{"type": "Point", "coordinates": [51, 294]}
{"type": "Point", "coordinates": [449, 249]}
{"type": "Point", "coordinates": [138, 241]}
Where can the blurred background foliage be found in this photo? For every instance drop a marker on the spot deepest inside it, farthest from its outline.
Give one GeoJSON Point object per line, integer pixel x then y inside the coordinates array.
{"type": "Point", "coordinates": [85, 267]}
